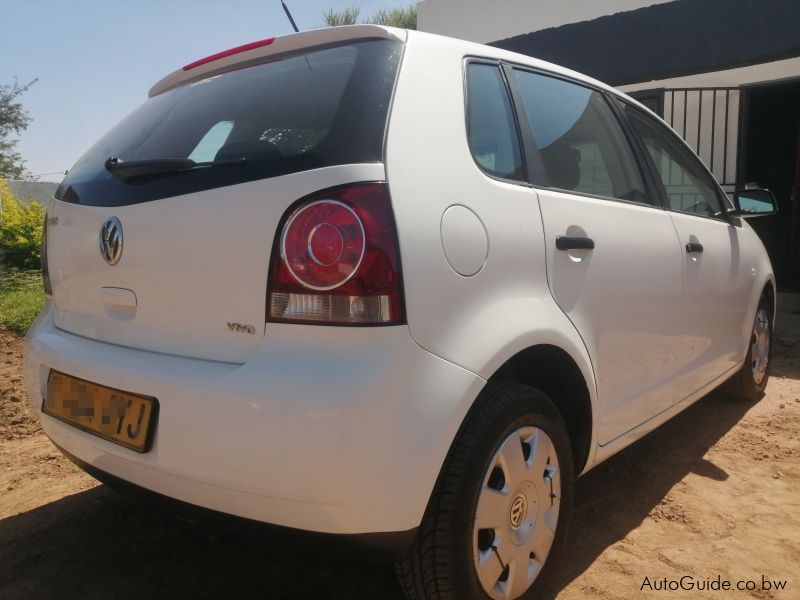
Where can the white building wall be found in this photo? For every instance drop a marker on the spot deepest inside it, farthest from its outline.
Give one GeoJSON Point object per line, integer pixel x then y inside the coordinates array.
{"type": "Point", "coordinates": [487, 21]}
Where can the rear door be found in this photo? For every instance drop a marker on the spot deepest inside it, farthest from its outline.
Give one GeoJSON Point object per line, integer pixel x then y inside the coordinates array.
{"type": "Point", "coordinates": [718, 268]}
{"type": "Point", "coordinates": [614, 264]}
{"type": "Point", "coordinates": [176, 260]}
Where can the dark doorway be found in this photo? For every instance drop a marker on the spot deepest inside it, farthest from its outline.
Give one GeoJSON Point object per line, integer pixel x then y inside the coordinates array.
{"type": "Point", "coordinates": [771, 157]}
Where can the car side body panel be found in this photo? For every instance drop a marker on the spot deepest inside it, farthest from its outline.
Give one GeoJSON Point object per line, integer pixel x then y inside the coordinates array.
{"type": "Point", "coordinates": [478, 321]}
{"type": "Point", "coordinates": [763, 277]}
{"type": "Point", "coordinates": [625, 299]}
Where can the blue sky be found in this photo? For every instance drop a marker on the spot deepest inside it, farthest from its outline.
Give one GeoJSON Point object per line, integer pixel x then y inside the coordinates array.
{"type": "Point", "coordinates": [95, 59]}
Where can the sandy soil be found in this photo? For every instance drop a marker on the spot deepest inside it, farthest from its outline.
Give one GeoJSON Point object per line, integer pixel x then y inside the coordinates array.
{"type": "Point", "coordinates": [714, 492]}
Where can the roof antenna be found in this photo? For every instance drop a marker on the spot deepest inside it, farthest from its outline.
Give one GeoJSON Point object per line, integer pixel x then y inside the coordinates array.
{"type": "Point", "coordinates": [289, 15]}
{"type": "Point", "coordinates": [294, 26]}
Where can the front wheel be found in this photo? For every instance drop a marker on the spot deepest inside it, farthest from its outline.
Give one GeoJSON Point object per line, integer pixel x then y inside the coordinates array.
{"type": "Point", "coordinates": [751, 381]}
{"type": "Point", "coordinates": [498, 516]}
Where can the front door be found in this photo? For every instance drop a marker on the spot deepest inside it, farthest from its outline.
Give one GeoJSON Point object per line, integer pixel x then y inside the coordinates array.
{"type": "Point", "coordinates": [718, 273]}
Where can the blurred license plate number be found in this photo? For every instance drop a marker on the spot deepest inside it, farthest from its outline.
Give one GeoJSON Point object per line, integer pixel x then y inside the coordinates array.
{"type": "Point", "coordinates": [120, 417]}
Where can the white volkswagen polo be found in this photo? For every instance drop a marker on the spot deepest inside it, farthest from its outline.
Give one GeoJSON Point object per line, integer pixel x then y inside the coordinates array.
{"type": "Point", "coordinates": [391, 286]}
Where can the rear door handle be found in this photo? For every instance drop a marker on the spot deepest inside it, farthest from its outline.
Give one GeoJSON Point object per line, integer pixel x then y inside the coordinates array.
{"type": "Point", "coordinates": [565, 242]}
{"type": "Point", "coordinates": [694, 247]}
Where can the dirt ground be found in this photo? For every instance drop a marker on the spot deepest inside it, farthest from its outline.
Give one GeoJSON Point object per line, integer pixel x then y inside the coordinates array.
{"type": "Point", "coordinates": [714, 492]}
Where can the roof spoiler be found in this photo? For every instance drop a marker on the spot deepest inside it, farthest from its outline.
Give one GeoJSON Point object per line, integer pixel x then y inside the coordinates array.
{"type": "Point", "coordinates": [255, 51]}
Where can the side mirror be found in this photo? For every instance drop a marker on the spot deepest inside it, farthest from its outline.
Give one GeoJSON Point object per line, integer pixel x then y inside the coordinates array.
{"type": "Point", "coordinates": [753, 202]}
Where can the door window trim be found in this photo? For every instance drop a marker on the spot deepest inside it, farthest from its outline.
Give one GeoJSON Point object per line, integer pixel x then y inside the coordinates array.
{"type": "Point", "coordinates": [656, 94]}
{"type": "Point", "coordinates": [654, 174]}
{"type": "Point", "coordinates": [470, 60]}
{"type": "Point", "coordinates": [538, 166]}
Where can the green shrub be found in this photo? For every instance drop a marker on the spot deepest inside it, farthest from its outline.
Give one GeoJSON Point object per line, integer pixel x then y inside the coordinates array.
{"type": "Point", "coordinates": [20, 231]}
{"type": "Point", "coordinates": [21, 299]}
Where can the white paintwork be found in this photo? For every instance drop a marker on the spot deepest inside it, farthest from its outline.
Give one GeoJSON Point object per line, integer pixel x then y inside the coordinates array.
{"type": "Point", "coordinates": [717, 290]}
{"type": "Point", "coordinates": [629, 319]}
{"type": "Point", "coordinates": [485, 22]}
{"type": "Point", "coordinates": [188, 286]}
{"type": "Point", "coordinates": [464, 240]}
{"type": "Point", "coordinates": [313, 427]}
{"type": "Point", "coordinates": [114, 296]}
{"type": "Point", "coordinates": [320, 426]}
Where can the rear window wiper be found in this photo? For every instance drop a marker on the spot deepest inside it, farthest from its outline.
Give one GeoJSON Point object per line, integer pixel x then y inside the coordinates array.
{"type": "Point", "coordinates": [130, 169]}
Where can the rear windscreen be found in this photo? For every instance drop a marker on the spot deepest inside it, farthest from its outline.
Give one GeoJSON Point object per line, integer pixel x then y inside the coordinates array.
{"type": "Point", "coordinates": [327, 106]}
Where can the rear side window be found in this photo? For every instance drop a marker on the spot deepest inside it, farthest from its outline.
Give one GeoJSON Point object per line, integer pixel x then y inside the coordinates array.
{"type": "Point", "coordinates": [491, 130]}
{"type": "Point", "coordinates": [581, 143]}
{"type": "Point", "coordinates": [688, 186]}
{"type": "Point", "coordinates": [327, 106]}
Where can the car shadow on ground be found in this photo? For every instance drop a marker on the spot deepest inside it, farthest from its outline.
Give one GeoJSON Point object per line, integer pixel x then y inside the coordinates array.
{"type": "Point", "coordinates": [100, 543]}
{"type": "Point", "coordinates": [615, 497]}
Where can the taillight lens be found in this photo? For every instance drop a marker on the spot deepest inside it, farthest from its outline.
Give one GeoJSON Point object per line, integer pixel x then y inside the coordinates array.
{"type": "Point", "coordinates": [48, 290]}
{"type": "Point", "coordinates": [336, 260]}
{"type": "Point", "coordinates": [323, 244]}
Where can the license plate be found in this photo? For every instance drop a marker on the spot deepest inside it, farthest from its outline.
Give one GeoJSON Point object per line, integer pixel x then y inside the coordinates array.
{"type": "Point", "coordinates": [120, 417]}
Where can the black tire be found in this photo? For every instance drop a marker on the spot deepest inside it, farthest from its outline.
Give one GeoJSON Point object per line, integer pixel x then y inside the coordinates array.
{"type": "Point", "coordinates": [440, 562]}
{"type": "Point", "coordinates": [743, 386]}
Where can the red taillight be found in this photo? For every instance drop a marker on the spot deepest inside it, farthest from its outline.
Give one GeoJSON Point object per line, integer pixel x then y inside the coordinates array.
{"type": "Point", "coordinates": [231, 52]}
{"type": "Point", "coordinates": [336, 260]}
{"type": "Point", "coordinates": [323, 244]}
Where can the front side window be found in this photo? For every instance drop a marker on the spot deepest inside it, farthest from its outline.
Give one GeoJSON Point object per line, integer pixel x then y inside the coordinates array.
{"type": "Point", "coordinates": [688, 186]}
{"type": "Point", "coordinates": [582, 145]}
{"type": "Point", "coordinates": [491, 130]}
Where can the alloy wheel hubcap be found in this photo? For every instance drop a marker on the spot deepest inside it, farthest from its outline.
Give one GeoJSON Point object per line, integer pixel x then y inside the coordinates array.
{"type": "Point", "coordinates": [519, 510]}
{"type": "Point", "coordinates": [759, 347]}
{"type": "Point", "coordinates": [517, 513]}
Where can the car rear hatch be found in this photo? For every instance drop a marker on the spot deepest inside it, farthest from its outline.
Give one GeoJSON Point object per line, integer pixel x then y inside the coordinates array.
{"type": "Point", "coordinates": [149, 250]}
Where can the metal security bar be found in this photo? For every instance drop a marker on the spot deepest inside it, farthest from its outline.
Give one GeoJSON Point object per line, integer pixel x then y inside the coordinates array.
{"type": "Point", "coordinates": [708, 119]}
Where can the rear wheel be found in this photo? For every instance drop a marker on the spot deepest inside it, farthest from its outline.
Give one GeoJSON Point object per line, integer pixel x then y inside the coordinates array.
{"type": "Point", "coordinates": [751, 381]}
{"type": "Point", "coordinates": [498, 516]}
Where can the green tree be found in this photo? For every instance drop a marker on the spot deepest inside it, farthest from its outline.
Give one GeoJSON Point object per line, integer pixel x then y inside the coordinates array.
{"type": "Point", "coordinates": [405, 18]}
{"type": "Point", "coordinates": [337, 18]}
{"type": "Point", "coordinates": [392, 17]}
{"type": "Point", "coordinates": [20, 230]}
{"type": "Point", "coordinates": [13, 120]}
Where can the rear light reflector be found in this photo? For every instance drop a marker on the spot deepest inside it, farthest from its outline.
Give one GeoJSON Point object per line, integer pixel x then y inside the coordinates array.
{"type": "Point", "coordinates": [323, 244]}
{"type": "Point", "coordinates": [230, 52]}
{"type": "Point", "coordinates": [336, 260]}
{"type": "Point", "coordinates": [331, 308]}
{"type": "Point", "coordinates": [48, 289]}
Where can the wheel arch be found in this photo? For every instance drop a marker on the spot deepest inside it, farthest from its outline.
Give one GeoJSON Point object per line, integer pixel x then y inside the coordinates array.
{"type": "Point", "coordinates": [769, 291]}
{"type": "Point", "coordinates": [553, 371]}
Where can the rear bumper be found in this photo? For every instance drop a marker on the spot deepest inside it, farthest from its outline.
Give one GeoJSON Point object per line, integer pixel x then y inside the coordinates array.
{"type": "Point", "coordinates": [367, 546]}
{"type": "Point", "coordinates": [325, 429]}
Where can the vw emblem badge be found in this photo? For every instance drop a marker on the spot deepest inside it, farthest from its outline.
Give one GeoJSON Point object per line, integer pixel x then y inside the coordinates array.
{"type": "Point", "coordinates": [111, 240]}
{"type": "Point", "coordinates": [519, 510]}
